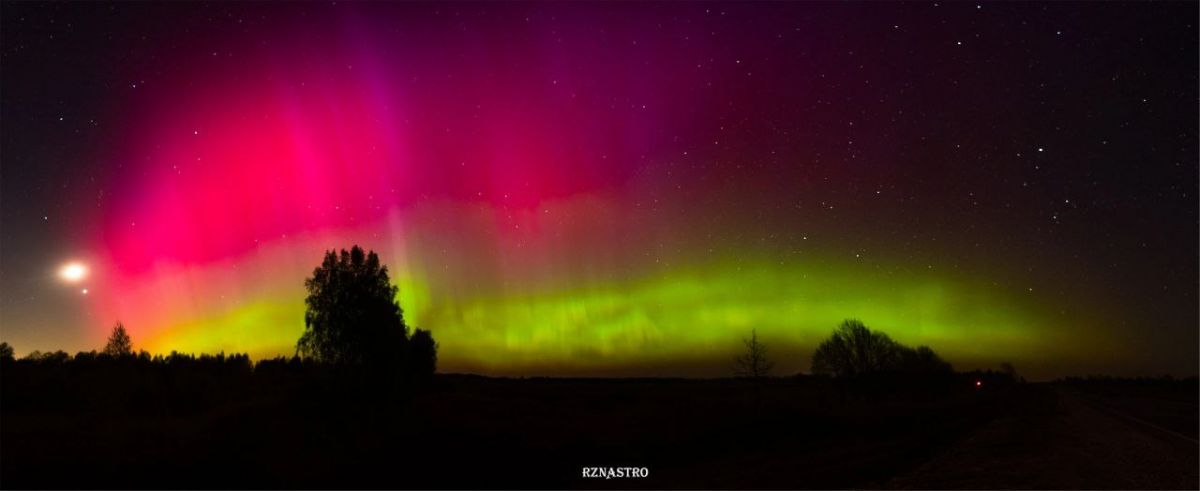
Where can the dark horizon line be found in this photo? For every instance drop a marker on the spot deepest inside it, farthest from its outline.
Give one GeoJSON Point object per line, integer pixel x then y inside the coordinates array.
{"type": "Point", "coordinates": [577, 377]}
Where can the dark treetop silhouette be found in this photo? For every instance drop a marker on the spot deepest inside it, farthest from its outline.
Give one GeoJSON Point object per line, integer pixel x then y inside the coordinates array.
{"type": "Point", "coordinates": [352, 318]}
{"type": "Point", "coordinates": [422, 354]}
{"type": "Point", "coordinates": [351, 314]}
{"type": "Point", "coordinates": [119, 344]}
{"type": "Point", "coordinates": [753, 362]}
{"type": "Point", "coordinates": [854, 350]}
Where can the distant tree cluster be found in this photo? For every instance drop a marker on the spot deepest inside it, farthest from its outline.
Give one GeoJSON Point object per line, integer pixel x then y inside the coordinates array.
{"type": "Point", "coordinates": [353, 324]}
{"type": "Point", "coordinates": [852, 350]}
{"type": "Point", "coordinates": [855, 350]}
{"type": "Point", "coordinates": [118, 378]}
{"type": "Point", "coordinates": [1094, 379]}
{"type": "Point", "coordinates": [119, 348]}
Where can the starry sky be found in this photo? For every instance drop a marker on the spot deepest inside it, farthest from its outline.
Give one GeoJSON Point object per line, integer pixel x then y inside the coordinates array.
{"type": "Point", "coordinates": [610, 188]}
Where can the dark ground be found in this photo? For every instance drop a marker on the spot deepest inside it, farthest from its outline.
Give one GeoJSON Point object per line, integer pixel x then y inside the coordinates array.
{"type": "Point", "coordinates": [1068, 437]}
{"type": "Point", "coordinates": [474, 432]}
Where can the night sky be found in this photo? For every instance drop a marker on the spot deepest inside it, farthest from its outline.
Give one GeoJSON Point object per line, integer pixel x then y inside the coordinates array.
{"type": "Point", "coordinates": [611, 189]}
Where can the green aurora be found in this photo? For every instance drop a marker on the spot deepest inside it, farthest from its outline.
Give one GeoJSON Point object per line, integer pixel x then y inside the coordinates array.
{"type": "Point", "coordinates": [694, 317]}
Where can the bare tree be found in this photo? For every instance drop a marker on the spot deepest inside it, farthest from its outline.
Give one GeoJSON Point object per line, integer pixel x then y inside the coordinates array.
{"type": "Point", "coordinates": [753, 363]}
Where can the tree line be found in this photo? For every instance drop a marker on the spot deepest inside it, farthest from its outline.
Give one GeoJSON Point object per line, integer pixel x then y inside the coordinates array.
{"type": "Point", "coordinates": [853, 351]}
{"type": "Point", "coordinates": [352, 322]}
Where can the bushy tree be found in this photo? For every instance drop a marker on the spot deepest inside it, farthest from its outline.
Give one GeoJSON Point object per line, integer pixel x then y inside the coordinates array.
{"type": "Point", "coordinates": [853, 349]}
{"type": "Point", "coordinates": [753, 362]}
{"type": "Point", "coordinates": [119, 344]}
{"type": "Point", "coordinates": [922, 360]}
{"type": "Point", "coordinates": [6, 352]}
{"type": "Point", "coordinates": [1010, 371]}
{"type": "Point", "coordinates": [56, 357]}
{"type": "Point", "coordinates": [351, 316]}
{"type": "Point", "coordinates": [422, 354]}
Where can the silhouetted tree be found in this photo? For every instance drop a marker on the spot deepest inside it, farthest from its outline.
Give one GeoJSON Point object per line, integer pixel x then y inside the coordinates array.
{"type": "Point", "coordinates": [922, 360]}
{"type": "Point", "coordinates": [351, 315]}
{"type": "Point", "coordinates": [753, 363]}
{"type": "Point", "coordinates": [119, 344]}
{"type": "Point", "coordinates": [55, 357]}
{"type": "Point", "coordinates": [853, 349]}
{"type": "Point", "coordinates": [422, 354]}
{"type": "Point", "coordinates": [6, 352]}
{"type": "Point", "coordinates": [1007, 369]}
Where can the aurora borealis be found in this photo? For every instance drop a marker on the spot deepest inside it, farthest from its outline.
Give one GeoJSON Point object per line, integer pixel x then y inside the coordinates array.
{"type": "Point", "coordinates": [611, 188]}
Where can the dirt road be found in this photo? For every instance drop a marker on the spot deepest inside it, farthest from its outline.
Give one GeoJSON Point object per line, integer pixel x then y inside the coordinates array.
{"type": "Point", "coordinates": [1059, 439]}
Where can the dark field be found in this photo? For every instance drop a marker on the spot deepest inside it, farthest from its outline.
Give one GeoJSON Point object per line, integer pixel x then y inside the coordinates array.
{"type": "Point", "coordinates": [252, 429]}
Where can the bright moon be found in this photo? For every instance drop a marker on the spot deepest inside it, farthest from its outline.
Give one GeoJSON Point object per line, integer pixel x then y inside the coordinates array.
{"type": "Point", "coordinates": [73, 272]}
